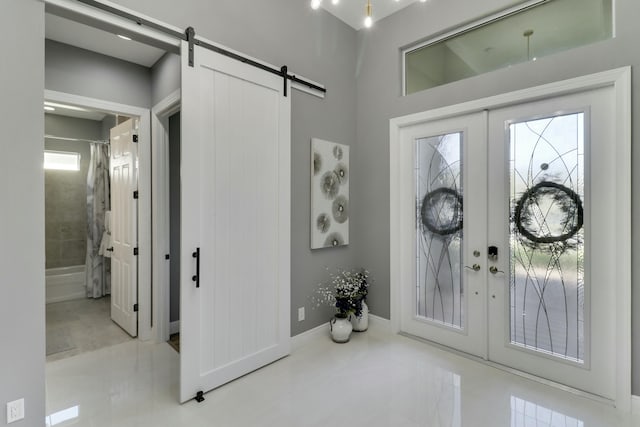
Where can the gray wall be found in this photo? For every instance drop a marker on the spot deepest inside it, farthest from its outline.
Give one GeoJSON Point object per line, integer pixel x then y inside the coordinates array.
{"type": "Point", "coordinates": [379, 100]}
{"type": "Point", "coordinates": [165, 77]}
{"type": "Point", "coordinates": [22, 214]}
{"type": "Point", "coordinates": [66, 192]}
{"type": "Point", "coordinates": [81, 72]}
{"type": "Point", "coordinates": [317, 46]}
{"type": "Point", "coordinates": [107, 123]}
{"type": "Point", "coordinates": [174, 216]}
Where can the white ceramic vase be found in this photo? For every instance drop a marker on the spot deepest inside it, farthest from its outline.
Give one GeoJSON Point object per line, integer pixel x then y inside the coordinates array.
{"type": "Point", "coordinates": [340, 329]}
{"type": "Point", "coordinates": [361, 323]}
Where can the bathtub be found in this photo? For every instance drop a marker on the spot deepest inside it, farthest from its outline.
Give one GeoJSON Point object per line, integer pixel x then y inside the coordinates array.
{"type": "Point", "coordinates": [65, 283]}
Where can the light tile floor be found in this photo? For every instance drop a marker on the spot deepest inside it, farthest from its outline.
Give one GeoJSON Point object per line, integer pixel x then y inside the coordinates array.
{"type": "Point", "coordinates": [377, 379]}
{"type": "Point", "coordinates": [82, 325]}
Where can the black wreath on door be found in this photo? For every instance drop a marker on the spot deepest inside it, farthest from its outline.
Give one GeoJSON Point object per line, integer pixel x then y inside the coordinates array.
{"type": "Point", "coordinates": [532, 226]}
{"type": "Point", "coordinates": [441, 211]}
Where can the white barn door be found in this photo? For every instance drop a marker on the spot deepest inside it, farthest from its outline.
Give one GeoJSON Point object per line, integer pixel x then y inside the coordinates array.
{"type": "Point", "coordinates": [235, 178]}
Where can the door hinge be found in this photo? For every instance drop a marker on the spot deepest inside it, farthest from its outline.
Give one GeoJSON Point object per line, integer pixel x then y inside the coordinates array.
{"type": "Point", "coordinates": [135, 251]}
{"type": "Point", "coordinates": [167, 256]}
{"type": "Point", "coordinates": [199, 397]}
{"type": "Point", "coordinates": [135, 138]}
{"type": "Point", "coordinates": [135, 194]}
{"type": "Point", "coordinates": [135, 307]}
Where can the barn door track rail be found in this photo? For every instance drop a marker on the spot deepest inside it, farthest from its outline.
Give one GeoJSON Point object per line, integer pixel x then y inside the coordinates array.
{"type": "Point", "coordinates": [190, 37]}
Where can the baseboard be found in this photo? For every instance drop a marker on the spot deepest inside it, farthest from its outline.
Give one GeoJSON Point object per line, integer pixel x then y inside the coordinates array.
{"type": "Point", "coordinates": [174, 327]}
{"type": "Point", "coordinates": [68, 297]}
{"type": "Point", "coordinates": [635, 406]}
{"type": "Point", "coordinates": [302, 339]}
{"type": "Point", "coordinates": [379, 323]}
{"type": "Point", "coordinates": [376, 324]}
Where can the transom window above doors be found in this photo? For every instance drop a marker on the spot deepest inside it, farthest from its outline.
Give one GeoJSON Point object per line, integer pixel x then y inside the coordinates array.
{"type": "Point", "coordinates": [520, 34]}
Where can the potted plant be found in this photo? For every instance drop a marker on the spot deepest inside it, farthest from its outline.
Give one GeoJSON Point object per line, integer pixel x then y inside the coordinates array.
{"type": "Point", "coordinates": [346, 292]}
{"type": "Point", "coordinates": [360, 317]}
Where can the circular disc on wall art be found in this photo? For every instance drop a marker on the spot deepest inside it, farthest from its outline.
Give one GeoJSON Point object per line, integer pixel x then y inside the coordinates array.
{"type": "Point", "coordinates": [337, 152]}
{"type": "Point", "coordinates": [342, 173]}
{"type": "Point", "coordinates": [334, 239]}
{"type": "Point", "coordinates": [329, 185]}
{"type": "Point", "coordinates": [317, 163]}
{"type": "Point", "coordinates": [340, 209]}
{"type": "Point", "coordinates": [323, 223]}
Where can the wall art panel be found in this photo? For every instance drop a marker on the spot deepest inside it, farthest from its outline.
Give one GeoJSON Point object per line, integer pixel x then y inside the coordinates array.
{"type": "Point", "coordinates": [329, 194]}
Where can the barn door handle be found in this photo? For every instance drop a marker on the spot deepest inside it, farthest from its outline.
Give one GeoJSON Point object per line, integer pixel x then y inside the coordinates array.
{"type": "Point", "coordinates": [196, 278]}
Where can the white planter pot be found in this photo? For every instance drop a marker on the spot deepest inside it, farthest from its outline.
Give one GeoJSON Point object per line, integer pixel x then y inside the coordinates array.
{"type": "Point", "coordinates": [340, 329]}
{"type": "Point", "coordinates": [361, 323]}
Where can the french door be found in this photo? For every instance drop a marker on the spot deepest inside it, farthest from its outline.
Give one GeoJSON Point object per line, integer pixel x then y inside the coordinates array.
{"type": "Point", "coordinates": [445, 299]}
{"type": "Point", "coordinates": [506, 235]}
{"type": "Point", "coordinates": [235, 221]}
{"type": "Point", "coordinates": [551, 203]}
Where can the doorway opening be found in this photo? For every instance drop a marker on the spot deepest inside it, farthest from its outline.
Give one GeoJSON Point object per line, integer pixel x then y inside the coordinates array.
{"type": "Point", "coordinates": [78, 229]}
{"type": "Point", "coordinates": [83, 73]}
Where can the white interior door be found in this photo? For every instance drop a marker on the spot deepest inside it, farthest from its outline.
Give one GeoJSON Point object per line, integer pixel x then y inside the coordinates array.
{"type": "Point", "coordinates": [235, 170]}
{"type": "Point", "coordinates": [444, 261]}
{"type": "Point", "coordinates": [552, 209]}
{"type": "Point", "coordinates": [124, 227]}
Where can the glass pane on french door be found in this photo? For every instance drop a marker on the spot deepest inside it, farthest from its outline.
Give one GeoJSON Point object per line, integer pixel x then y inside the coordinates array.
{"type": "Point", "coordinates": [438, 174]}
{"type": "Point", "coordinates": [547, 235]}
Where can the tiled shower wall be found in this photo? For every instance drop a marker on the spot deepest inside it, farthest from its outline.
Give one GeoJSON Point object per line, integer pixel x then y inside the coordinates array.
{"type": "Point", "coordinates": [66, 192]}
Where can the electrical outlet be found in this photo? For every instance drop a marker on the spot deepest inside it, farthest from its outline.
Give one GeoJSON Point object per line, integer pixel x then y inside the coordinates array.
{"type": "Point", "coordinates": [300, 314]}
{"type": "Point", "coordinates": [15, 411]}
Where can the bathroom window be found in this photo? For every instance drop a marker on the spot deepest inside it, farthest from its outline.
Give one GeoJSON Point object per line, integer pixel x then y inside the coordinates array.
{"type": "Point", "coordinates": [522, 34]}
{"type": "Point", "coordinates": [61, 160]}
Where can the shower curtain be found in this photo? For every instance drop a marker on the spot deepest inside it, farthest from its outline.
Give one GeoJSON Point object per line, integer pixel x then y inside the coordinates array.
{"type": "Point", "coordinates": [98, 268]}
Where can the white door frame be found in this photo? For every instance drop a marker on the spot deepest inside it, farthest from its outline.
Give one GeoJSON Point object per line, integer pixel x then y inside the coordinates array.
{"type": "Point", "coordinates": [160, 213]}
{"type": "Point", "coordinates": [620, 80]}
{"type": "Point", "coordinates": [144, 189]}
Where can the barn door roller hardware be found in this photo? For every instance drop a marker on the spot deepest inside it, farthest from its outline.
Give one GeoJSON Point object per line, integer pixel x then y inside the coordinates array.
{"type": "Point", "coordinates": [190, 37]}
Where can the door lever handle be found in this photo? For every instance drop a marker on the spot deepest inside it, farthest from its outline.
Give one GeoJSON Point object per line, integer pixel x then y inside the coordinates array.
{"type": "Point", "coordinates": [110, 249]}
{"type": "Point", "coordinates": [196, 277]}
{"type": "Point", "coordinates": [475, 267]}
{"type": "Point", "coordinates": [494, 270]}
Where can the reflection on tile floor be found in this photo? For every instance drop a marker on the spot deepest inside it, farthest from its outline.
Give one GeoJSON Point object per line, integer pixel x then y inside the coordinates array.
{"type": "Point", "coordinates": [377, 379]}
{"type": "Point", "coordinates": [82, 325]}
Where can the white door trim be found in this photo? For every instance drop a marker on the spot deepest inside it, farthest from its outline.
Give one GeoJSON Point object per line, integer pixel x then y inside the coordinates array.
{"type": "Point", "coordinates": [144, 189]}
{"type": "Point", "coordinates": [620, 79]}
{"type": "Point", "coordinates": [160, 213]}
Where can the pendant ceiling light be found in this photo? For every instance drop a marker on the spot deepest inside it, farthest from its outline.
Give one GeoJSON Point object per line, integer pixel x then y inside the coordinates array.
{"type": "Point", "coordinates": [368, 10]}
{"type": "Point", "coordinates": [368, 20]}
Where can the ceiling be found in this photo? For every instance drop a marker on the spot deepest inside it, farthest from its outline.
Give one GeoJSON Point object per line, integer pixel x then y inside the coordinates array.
{"type": "Point", "coordinates": [83, 113]}
{"type": "Point", "coordinates": [352, 12]}
{"type": "Point", "coordinates": [83, 36]}
{"type": "Point", "coordinates": [90, 38]}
